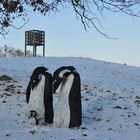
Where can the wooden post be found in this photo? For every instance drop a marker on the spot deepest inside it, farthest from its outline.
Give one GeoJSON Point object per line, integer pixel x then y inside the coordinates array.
{"type": "Point", "coordinates": [25, 50]}
{"type": "Point", "coordinates": [44, 44]}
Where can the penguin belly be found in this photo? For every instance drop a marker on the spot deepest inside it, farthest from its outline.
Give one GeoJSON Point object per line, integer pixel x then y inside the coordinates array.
{"type": "Point", "coordinates": [36, 101]}
{"type": "Point", "coordinates": [62, 111]}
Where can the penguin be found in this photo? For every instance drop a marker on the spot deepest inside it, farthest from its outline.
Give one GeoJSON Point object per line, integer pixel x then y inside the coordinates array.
{"type": "Point", "coordinates": [39, 97]}
{"type": "Point", "coordinates": [68, 112]}
{"type": "Point", "coordinates": [33, 118]}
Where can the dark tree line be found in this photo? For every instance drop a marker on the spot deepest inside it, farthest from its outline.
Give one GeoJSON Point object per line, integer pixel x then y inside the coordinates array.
{"type": "Point", "coordinates": [86, 10]}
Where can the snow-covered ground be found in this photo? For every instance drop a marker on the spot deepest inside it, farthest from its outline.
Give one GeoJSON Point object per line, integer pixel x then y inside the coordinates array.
{"type": "Point", "coordinates": [110, 100]}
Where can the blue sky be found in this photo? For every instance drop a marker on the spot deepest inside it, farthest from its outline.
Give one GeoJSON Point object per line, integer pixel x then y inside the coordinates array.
{"type": "Point", "coordinates": [65, 36]}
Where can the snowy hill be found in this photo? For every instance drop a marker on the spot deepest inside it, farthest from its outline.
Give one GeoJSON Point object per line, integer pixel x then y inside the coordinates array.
{"type": "Point", "coordinates": [110, 100]}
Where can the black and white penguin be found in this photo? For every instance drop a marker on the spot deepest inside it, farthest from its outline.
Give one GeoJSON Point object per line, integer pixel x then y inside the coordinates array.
{"type": "Point", "coordinates": [68, 111]}
{"type": "Point", "coordinates": [39, 97]}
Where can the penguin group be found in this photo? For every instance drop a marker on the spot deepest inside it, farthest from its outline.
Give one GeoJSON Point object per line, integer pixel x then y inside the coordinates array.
{"type": "Point", "coordinates": [65, 82]}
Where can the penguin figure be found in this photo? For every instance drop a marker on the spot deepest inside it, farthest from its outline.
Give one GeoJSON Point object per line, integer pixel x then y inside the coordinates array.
{"type": "Point", "coordinates": [33, 117]}
{"type": "Point", "coordinates": [39, 96]}
{"type": "Point", "coordinates": [68, 112]}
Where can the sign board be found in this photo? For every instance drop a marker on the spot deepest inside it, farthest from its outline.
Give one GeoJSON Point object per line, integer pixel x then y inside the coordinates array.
{"type": "Point", "coordinates": [35, 37]}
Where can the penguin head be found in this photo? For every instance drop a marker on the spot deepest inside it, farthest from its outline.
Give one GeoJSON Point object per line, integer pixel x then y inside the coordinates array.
{"type": "Point", "coordinates": [65, 76]}
{"type": "Point", "coordinates": [58, 76]}
{"type": "Point", "coordinates": [33, 117]}
{"type": "Point", "coordinates": [36, 76]}
{"type": "Point", "coordinates": [33, 113]}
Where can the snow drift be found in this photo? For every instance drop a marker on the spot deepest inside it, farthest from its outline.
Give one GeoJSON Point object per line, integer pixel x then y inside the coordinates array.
{"type": "Point", "coordinates": [110, 100]}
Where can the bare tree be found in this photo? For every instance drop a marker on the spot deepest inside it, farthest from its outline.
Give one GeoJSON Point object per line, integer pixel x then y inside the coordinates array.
{"type": "Point", "coordinates": [86, 10]}
{"type": "Point", "coordinates": [19, 52]}
{"type": "Point", "coordinates": [6, 51]}
{"type": "Point", "coordinates": [29, 53]}
{"type": "Point", "coordinates": [11, 52]}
